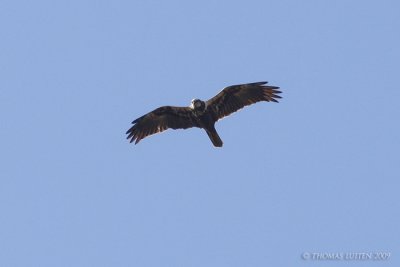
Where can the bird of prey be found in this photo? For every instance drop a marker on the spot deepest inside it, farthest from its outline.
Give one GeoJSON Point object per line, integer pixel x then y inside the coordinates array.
{"type": "Point", "coordinates": [202, 114]}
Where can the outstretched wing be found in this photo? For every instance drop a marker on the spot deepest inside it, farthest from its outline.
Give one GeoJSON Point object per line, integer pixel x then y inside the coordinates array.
{"type": "Point", "coordinates": [235, 97]}
{"type": "Point", "coordinates": [160, 120]}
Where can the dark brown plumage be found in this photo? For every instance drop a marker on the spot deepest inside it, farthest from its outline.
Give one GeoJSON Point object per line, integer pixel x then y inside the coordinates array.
{"type": "Point", "coordinates": [203, 114]}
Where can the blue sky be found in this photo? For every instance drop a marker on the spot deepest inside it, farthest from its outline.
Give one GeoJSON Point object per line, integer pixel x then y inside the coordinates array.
{"type": "Point", "coordinates": [318, 172]}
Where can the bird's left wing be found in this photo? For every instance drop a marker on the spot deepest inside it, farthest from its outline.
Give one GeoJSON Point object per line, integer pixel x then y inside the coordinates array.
{"type": "Point", "coordinates": [160, 120]}
{"type": "Point", "coordinates": [235, 97]}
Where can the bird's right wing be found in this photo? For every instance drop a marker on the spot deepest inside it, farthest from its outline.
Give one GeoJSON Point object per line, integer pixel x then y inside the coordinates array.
{"type": "Point", "coordinates": [236, 97]}
{"type": "Point", "coordinates": [160, 120]}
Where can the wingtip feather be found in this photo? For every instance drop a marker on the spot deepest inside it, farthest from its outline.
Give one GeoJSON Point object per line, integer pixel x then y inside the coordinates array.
{"type": "Point", "coordinates": [276, 96]}
{"type": "Point", "coordinates": [260, 83]}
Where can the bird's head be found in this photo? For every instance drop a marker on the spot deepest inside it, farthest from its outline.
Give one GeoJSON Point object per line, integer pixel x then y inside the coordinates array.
{"type": "Point", "coordinates": [197, 104]}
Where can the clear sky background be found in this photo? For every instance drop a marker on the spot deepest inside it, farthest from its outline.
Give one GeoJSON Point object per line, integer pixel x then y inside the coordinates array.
{"type": "Point", "coordinates": [318, 172]}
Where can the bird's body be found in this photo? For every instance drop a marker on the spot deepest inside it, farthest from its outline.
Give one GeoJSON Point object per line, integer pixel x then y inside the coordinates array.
{"type": "Point", "coordinates": [202, 114]}
{"type": "Point", "coordinates": [206, 121]}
